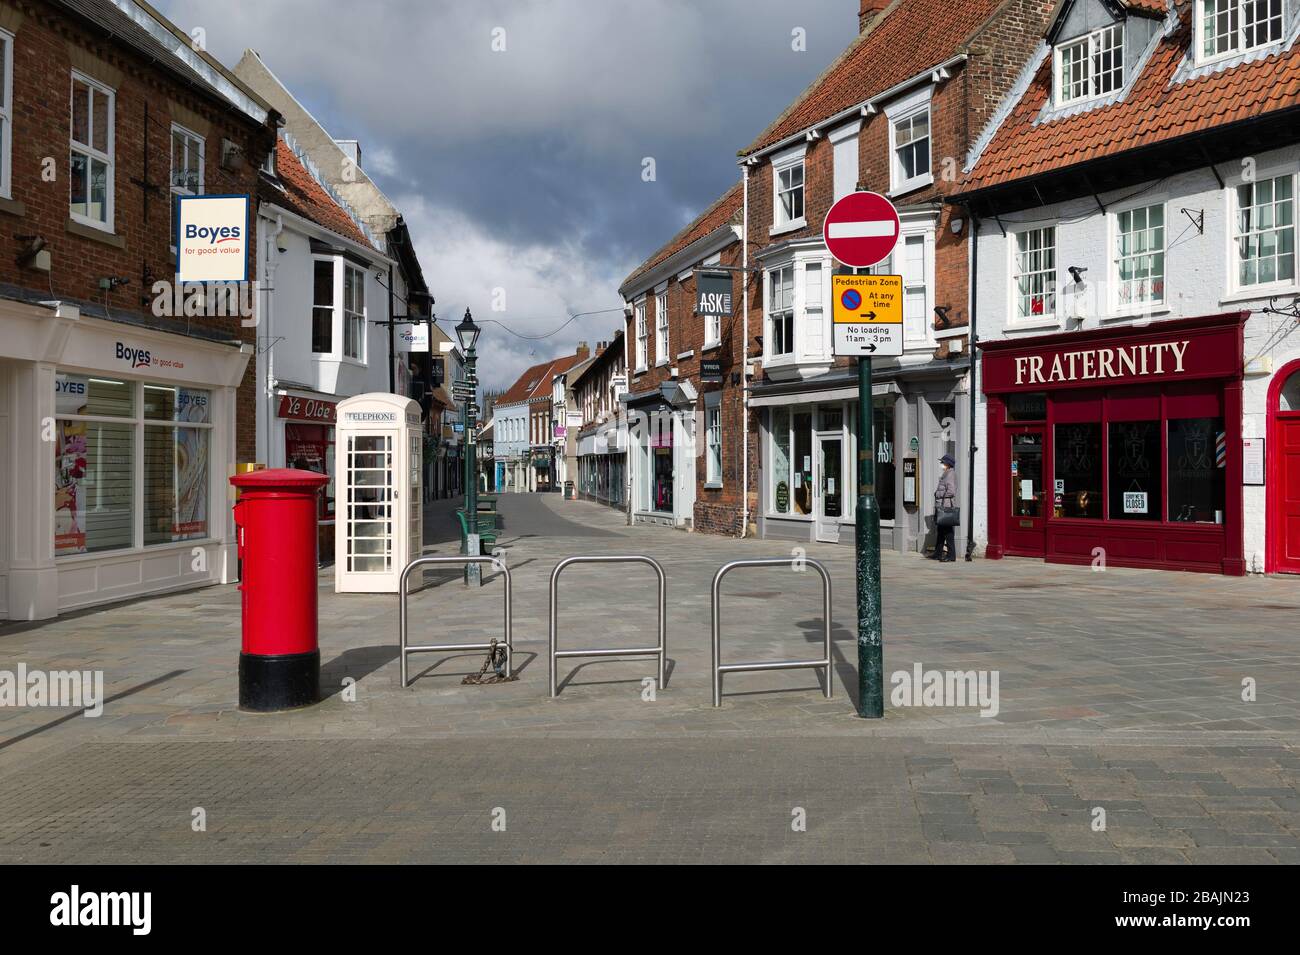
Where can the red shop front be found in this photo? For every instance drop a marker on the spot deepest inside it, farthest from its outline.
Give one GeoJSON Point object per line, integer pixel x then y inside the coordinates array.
{"type": "Point", "coordinates": [1120, 445]}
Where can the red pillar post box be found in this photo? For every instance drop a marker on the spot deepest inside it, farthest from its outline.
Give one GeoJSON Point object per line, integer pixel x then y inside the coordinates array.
{"type": "Point", "coordinates": [275, 529]}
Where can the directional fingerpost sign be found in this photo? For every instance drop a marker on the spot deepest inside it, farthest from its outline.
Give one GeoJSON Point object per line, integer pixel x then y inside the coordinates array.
{"type": "Point", "coordinates": [861, 229]}
{"type": "Point", "coordinates": [868, 314]}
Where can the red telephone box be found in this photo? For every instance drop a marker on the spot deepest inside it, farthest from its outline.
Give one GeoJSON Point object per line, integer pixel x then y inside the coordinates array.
{"type": "Point", "coordinates": [275, 528]}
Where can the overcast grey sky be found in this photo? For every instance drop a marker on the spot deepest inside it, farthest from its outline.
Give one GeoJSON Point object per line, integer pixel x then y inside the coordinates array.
{"type": "Point", "coordinates": [521, 169]}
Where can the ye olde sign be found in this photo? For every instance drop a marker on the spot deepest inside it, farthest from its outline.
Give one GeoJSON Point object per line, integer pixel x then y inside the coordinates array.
{"type": "Point", "coordinates": [712, 293]}
{"type": "Point", "coordinates": [861, 229]}
{"type": "Point", "coordinates": [868, 314]}
{"type": "Point", "coordinates": [307, 409]}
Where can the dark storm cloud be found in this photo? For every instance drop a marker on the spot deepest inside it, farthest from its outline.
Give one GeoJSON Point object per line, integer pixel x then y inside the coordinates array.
{"type": "Point", "coordinates": [521, 169]}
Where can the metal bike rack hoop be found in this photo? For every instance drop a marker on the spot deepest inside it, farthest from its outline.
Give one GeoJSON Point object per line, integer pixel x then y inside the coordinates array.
{"type": "Point", "coordinates": [405, 649]}
{"type": "Point", "coordinates": [660, 651]}
{"type": "Point", "coordinates": [825, 662]}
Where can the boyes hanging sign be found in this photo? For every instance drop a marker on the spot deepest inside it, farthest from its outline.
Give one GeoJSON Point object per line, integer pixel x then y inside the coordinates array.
{"type": "Point", "coordinates": [211, 238]}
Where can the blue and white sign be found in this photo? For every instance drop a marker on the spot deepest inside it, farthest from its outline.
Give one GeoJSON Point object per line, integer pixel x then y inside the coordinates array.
{"type": "Point", "coordinates": [212, 238]}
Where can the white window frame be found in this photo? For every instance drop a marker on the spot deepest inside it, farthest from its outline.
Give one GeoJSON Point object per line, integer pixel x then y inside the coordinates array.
{"type": "Point", "coordinates": [332, 261]}
{"type": "Point", "coordinates": [1238, 34]}
{"type": "Point", "coordinates": [1051, 317]}
{"type": "Point", "coordinates": [1238, 289]}
{"type": "Point", "coordinates": [770, 355]}
{"type": "Point", "coordinates": [786, 162]}
{"type": "Point", "coordinates": [713, 445]}
{"type": "Point", "coordinates": [661, 327]}
{"type": "Point", "coordinates": [7, 116]}
{"type": "Point", "coordinates": [354, 316]}
{"type": "Point", "coordinates": [90, 152]}
{"type": "Point", "coordinates": [192, 139]}
{"type": "Point", "coordinates": [642, 336]}
{"type": "Point", "coordinates": [905, 111]}
{"type": "Point", "coordinates": [1093, 50]}
{"type": "Point", "coordinates": [1114, 234]}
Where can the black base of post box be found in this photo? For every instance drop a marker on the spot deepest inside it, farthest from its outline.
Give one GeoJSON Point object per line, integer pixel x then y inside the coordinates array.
{"type": "Point", "coordinates": [283, 682]}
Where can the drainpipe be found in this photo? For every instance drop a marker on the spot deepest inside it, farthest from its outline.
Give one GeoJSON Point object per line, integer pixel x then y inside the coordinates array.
{"type": "Point", "coordinates": [971, 338]}
{"type": "Point", "coordinates": [269, 266]}
{"type": "Point", "coordinates": [744, 357]}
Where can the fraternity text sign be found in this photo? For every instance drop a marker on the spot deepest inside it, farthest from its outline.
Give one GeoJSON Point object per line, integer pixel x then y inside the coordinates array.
{"type": "Point", "coordinates": [212, 238]}
{"type": "Point", "coordinates": [712, 293]}
{"type": "Point", "coordinates": [1179, 349]}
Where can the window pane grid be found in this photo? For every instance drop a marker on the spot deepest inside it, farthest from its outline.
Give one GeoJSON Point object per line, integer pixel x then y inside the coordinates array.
{"type": "Point", "coordinates": [1035, 269]}
{"type": "Point", "coordinates": [1266, 231]}
{"type": "Point", "coordinates": [1141, 259]}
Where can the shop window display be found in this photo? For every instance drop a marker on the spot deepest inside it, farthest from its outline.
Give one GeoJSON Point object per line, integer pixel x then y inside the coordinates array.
{"type": "Point", "coordinates": [1197, 468]}
{"type": "Point", "coordinates": [1134, 454]}
{"type": "Point", "coordinates": [1077, 474]}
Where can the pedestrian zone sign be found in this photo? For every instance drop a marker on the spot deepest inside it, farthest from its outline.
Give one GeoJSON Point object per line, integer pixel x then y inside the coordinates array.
{"type": "Point", "coordinates": [868, 315]}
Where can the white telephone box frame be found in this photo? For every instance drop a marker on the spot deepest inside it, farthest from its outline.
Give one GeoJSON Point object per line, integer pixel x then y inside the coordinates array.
{"type": "Point", "coordinates": [379, 514]}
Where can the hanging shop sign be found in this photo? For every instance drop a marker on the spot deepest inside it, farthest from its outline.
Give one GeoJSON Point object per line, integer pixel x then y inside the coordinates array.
{"type": "Point", "coordinates": [712, 293]}
{"type": "Point", "coordinates": [710, 369]}
{"type": "Point", "coordinates": [211, 238]}
{"type": "Point", "coordinates": [414, 338]}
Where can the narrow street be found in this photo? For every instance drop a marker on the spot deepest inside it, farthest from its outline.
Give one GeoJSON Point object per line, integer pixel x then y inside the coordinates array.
{"type": "Point", "coordinates": [1107, 700]}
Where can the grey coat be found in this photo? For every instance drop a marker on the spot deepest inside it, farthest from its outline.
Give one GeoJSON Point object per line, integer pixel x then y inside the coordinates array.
{"type": "Point", "coordinates": [946, 491]}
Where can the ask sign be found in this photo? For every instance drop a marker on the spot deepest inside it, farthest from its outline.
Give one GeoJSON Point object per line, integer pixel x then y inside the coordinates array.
{"type": "Point", "coordinates": [212, 238]}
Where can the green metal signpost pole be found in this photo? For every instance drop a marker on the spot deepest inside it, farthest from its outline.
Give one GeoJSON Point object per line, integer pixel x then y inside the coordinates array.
{"type": "Point", "coordinates": [871, 691]}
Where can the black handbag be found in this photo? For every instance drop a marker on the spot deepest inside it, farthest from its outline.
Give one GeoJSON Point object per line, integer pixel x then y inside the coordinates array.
{"type": "Point", "coordinates": [947, 516]}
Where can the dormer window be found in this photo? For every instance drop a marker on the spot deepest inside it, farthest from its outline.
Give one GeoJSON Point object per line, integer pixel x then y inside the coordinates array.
{"type": "Point", "coordinates": [1090, 66]}
{"type": "Point", "coordinates": [1226, 27]}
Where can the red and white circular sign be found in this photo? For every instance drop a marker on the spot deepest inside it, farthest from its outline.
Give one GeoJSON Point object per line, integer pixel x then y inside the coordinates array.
{"type": "Point", "coordinates": [861, 229]}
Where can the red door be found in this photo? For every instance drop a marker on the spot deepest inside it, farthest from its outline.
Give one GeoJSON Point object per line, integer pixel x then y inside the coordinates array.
{"type": "Point", "coordinates": [1287, 519]}
{"type": "Point", "coordinates": [1027, 514]}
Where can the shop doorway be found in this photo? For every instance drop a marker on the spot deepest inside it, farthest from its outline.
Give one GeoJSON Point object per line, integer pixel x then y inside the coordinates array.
{"type": "Point", "coordinates": [829, 506]}
{"type": "Point", "coordinates": [1026, 517]}
{"type": "Point", "coordinates": [1283, 478]}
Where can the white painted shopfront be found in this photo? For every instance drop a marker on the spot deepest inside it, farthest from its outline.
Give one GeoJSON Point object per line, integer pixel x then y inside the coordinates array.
{"type": "Point", "coordinates": [116, 442]}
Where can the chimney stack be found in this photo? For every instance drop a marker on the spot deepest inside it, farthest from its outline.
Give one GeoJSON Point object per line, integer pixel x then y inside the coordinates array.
{"type": "Point", "coordinates": [583, 351]}
{"type": "Point", "coordinates": [867, 11]}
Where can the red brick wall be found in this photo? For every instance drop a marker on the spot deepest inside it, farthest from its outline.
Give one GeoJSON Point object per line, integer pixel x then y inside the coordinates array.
{"type": "Point", "coordinates": [44, 50]}
{"type": "Point", "coordinates": [717, 510]}
{"type": "Point", "coordinates": [960, 109]}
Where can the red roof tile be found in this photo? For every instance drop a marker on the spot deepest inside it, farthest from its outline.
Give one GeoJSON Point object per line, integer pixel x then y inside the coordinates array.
{"type": "Point", "coordinates": [1154, 111]}
{"type": "Point", "coordinates": [535, 382]}
{"type": "Point", "coordinates": [303, 195]}
{"type": "Point", "coordinates": [718, 214]}
{"type": "Point", "coordinates": [915, 35]}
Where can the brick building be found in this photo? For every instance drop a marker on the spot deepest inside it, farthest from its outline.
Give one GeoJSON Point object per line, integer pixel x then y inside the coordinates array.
{"type": "Point", "coordinates": [687, 438]}
{"type": "Point", "coordinates": [522, 426]}
{"type": "Point", "coordinates": [1136, 222]}
{"type": "Point", "coordinates": [601, 436]}
{"type": "Point", "coordinates": [107, 114]}
{"type": "Point", "coordinates": [896, 114]}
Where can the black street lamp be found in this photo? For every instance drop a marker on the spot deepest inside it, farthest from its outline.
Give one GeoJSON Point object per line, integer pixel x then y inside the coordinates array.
{"type": "Point", "coordinates": [467, 334]}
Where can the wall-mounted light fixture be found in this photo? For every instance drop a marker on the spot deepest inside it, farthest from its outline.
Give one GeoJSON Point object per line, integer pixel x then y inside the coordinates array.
{"type": "Point", "coordinates": [1076, 273]}
{"type": "Point", "coordinates": [956, 224]}
{"type": "Point", "coordinates": [941, 311]}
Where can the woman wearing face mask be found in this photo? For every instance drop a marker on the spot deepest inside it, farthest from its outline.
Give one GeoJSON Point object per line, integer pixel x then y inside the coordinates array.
{"type": "Point", "coordinates": [945, 512]}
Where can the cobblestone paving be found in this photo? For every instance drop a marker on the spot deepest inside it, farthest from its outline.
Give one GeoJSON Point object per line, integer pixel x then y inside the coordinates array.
{"type": "Point", "coordinates": [1118, 690]}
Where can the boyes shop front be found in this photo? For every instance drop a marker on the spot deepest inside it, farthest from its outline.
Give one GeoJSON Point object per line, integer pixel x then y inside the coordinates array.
{"type": "Point", "coordinates": [119, 441]}
{"type": "Point", "coordinates": [1121, 446]}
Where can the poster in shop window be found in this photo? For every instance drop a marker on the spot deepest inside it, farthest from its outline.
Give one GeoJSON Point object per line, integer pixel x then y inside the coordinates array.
{"type": "Point", "coordinates": [191, 514]}
{"type": "Point", "coordinates": [69, 488]}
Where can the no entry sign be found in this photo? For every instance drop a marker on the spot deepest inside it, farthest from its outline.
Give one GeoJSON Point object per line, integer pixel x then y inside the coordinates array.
{"type": "Point", "coordinates": [861, 229]}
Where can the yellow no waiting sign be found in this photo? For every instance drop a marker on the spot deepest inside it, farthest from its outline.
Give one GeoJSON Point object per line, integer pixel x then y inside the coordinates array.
{"type": "Point", "coordinates": [868, 314]}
